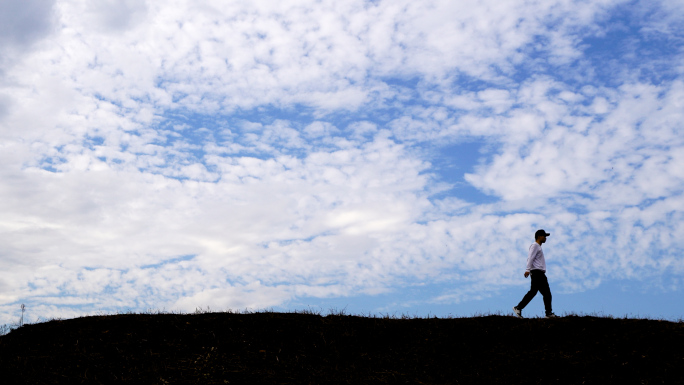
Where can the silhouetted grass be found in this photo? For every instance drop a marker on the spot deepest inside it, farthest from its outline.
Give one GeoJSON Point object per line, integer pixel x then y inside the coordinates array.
{"type": "Point", "coordinates": [307, 347]}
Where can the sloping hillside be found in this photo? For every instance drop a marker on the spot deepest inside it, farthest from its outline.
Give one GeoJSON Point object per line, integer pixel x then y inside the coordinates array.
{"type": "Point", "coordinates": [288, 348]}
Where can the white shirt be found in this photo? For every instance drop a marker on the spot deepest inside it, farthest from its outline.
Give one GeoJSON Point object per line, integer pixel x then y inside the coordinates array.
{"type": "Point", "coordinates": [535, 260]}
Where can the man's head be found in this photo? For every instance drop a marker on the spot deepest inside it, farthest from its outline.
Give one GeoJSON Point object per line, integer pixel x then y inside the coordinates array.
{"type": "Point", "coordinates": [540, 236]}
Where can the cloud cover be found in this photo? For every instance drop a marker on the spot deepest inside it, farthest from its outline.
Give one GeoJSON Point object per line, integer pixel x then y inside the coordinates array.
{"type": "Point", "coordinates": [249, 154]}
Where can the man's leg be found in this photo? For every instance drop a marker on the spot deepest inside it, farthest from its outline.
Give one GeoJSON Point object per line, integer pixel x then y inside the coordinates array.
{"type": "Point", "coordinates": [530, 294]}
{"type": "Point", "coordinates": [546, 293]}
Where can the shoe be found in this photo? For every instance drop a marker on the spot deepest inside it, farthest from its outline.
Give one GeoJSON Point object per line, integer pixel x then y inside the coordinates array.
{"type": "Point", "coordinates": [518, 312]}
{"type": "Point", "coordinates": [551, 316]}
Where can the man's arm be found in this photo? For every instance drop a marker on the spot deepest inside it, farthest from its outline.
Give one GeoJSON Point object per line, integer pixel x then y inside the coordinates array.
{"type": "Point", "coordinates": [530, 259]}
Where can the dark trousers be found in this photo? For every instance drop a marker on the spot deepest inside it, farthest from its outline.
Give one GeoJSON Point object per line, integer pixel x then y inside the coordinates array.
{"type": "Point", "coordinates": [539, 284]}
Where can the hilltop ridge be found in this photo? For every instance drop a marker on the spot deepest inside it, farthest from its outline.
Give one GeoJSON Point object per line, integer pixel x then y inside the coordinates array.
{"type": "Point", "coordinates": [291, 348]}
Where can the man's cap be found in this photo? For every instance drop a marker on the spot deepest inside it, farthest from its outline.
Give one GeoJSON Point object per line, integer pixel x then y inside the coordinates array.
{"type": "Point", "coordinates": [539, 233]}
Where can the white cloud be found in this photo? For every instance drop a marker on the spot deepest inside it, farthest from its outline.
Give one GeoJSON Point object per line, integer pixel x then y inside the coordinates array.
{"type": "Point", "coordinates": [219, 56]}
{"type": "Point", "coordinates": [114, 16]}
{"type": "Point", "coordinates": [622, 158]}
{"type": "Point", "coordinates": [264, 221]}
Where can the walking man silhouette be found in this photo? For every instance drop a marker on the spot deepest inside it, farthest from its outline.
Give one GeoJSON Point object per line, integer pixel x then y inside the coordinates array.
{"type": "Point", "coordinates": [536, 266]}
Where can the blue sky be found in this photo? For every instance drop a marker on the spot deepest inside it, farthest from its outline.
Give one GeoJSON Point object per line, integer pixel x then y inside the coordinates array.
{"type": "Point", "coordinates": [374, 156]}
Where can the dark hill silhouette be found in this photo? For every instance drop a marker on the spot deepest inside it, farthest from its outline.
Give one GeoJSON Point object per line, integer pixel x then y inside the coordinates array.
{"type": "Point", "coordinates": [291, 348]}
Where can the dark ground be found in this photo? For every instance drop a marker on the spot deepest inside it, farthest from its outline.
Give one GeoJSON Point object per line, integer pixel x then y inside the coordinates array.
{"type": "Point", "coordinates": [288, 348]}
